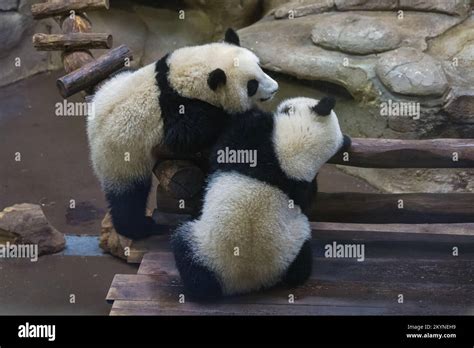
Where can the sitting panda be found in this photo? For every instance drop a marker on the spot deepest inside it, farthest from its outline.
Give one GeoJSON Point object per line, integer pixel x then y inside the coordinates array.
{"type": "Point", "coordinates": [252, 233]}
{"type": "Point", "coordinates": [181, 103]}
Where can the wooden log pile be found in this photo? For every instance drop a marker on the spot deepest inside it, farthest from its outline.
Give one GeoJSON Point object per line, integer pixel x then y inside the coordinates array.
{"type": "Point", "coordinates": [76, 41]}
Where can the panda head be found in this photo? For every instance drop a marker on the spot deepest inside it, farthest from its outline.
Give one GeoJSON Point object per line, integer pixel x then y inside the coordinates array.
{"type": "Point", "coordinates": [222, 74]}
{"type": "Point", "coordinates": [306, 135]}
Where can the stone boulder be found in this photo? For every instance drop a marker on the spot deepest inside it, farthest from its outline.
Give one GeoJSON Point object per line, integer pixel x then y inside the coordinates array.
{"type": "Point", "coordinates": [12, 27]}
{"type": "Point", "coordinates": [454, 7]}
{"type": "Point", "coordinates": [411, 72]}
{"type": "Point", "coordinates": [26, 224]}
{"type": "Point", "coordinates": [355, 34]}
{"type": "Point", "coordinates": [8, 5]}
{"type": "Point", "coordinates": [300, 8]}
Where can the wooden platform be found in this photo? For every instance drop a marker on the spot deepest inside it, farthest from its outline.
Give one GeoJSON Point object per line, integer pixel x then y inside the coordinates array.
{"type": "Point", "coordinates": [416, 264]}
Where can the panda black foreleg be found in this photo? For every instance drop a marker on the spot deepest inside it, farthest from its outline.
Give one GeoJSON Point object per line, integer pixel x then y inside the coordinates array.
{"type": "Point", "coordinates": [128, 208]}
{"type": "Point", "coordinates": [199, 282]}
{"type": "Point", "coordinates": [300, 269]}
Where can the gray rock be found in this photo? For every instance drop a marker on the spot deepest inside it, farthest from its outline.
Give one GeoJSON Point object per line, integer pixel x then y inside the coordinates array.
{"type": "Point", "coordinates": [452, 7]}
{"type": "Point", "coordinates": [12, 27]}
{"type": "Point", "coordinates": [8, 5]}
{"type": "Point", "coordinates": [300, 8]}
{"type": "Point", "coordinates": [229, 13]}
{"type": "Point", "coordinates": [345, 5]}
{"type": "Point", "coordinates": [26, 224]}
{"type": "Point", "coordinates": [411, 72]}
{"type": "Point", "coordinates": [285, 46]}
{"type": "Point", "coordinates": [23, 60]}
{"type": "Point", "coordinates": [355, 34]}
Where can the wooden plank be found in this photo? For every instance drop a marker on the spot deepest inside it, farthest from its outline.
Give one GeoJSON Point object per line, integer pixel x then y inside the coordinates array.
{"type": "Point", "coordinates": [55, 42]}
{"type": "Point", "coordinates": [449, 271]}
{"type": "Point", "coordinates": [144, 308]}
{"type": "Point", "coordinates": [158, 263]}
{"type": "Point", "coordinates": [459, 233]}
{"type": "Point", "coordinates": [401, 153]}
{"type": "Point", "coordinates": [313, 293]}
{"type": "Point", "coordinates": [384, 208]}
{"type": "Point", "coordinates": [54, 8]}
{"type": "Point", "coordinates": [92, 73]}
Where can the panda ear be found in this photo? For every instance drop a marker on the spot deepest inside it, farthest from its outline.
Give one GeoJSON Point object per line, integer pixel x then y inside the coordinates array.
{"type": "Point", "coordinates": [325, 106]}
{"type": "Point", "coordinates": [216, 78]}
{"type": "Point", "coordinates": [232, 37]}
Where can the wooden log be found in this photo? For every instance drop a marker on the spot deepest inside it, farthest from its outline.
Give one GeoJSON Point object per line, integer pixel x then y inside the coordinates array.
{"type": "Point", "coordinates": [73, 41]}
{"type": "Point", "coordinates": [384, 208]}
{"type": "Point", "coordinates": [55, 8]}
{"type": "Point", "coordinates": [179, 179]}
{"type": "Point", "coordinates": [368, 208]}
{"type": "Point", "coordinates": [92, 73]}
{"type": "Point", "coordinates": [397, 153]}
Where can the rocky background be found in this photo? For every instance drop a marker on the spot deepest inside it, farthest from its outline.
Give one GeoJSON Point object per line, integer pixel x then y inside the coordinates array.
{"type": "Point", "coordinates": [365, 52]}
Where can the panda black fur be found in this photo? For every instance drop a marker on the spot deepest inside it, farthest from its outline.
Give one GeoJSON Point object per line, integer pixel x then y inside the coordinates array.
{"type": "Point", "coordinates": [249, 208]}
{"type": "Point", "coordinates": [181, 102]}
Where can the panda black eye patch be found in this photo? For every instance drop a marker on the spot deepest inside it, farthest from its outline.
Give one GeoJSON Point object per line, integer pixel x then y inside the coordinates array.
{"type": "Point", "coordinates": [252, 87]}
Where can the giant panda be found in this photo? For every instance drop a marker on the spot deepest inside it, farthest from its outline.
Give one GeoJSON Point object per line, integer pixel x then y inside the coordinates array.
{"type": "Point", "coordinates": [252, 232]}
{"type": "Point", "coordinates": [181, 103]}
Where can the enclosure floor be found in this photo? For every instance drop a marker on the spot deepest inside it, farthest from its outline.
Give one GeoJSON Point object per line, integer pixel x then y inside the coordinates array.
{"type": "Point", "coordinates": [55, 168]}
{"type": "Point", "coordinates": [395, 278]}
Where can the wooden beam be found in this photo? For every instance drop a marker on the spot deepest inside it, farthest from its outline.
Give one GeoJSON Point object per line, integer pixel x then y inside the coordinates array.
{"type": "Point", "coordinates": [92, 73]}
{"type": "Point", "coordinates": [417, 208]}
{"type": "Point", "coordinates": [55, 8]}
{"type": "Point", "coordinates": [384, 208]}
{"type": "Point", "coordinates": [72, 41]}
{"type": "Point", "coordinates": [397, 153]}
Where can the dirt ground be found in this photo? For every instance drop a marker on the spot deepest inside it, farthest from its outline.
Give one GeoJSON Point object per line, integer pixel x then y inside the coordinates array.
{"type": "Point", "coordinates": [54, 169]}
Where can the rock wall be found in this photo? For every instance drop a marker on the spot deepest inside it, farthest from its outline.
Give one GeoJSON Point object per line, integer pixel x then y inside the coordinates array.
{"type": "Point", "coordinates": [387, 54]}
{"type": "Point", "coordinates": [149, 28]}
{"type": "Point", "coordinates": [390, 55]}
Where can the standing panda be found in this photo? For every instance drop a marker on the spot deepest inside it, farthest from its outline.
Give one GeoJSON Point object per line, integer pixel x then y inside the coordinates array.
{"type": "Point", "coordinates": [252, 232]}
{"type": "Point", "coordinates": [181, 102]}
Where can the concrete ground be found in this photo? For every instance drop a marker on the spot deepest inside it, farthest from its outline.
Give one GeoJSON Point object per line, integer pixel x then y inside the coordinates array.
{"type": "Point", "coordinates": [54, 169]}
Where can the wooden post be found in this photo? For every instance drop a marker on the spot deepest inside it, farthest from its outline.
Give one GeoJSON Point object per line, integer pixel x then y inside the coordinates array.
{"type": "Point", "coordinates": [398, 153]}
{"type": "Point", "coordinates": [92, 73]}
{"type": "Point", "coordinates": [72, 41]}
{"type": "Point", "coordinates": [53, 8]}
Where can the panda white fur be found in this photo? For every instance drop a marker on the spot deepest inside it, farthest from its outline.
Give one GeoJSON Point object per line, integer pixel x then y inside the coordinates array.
{"type": "Point", "coordinates": [181, 102]}
{"type": "Point", "coordinates": [249, 235]}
